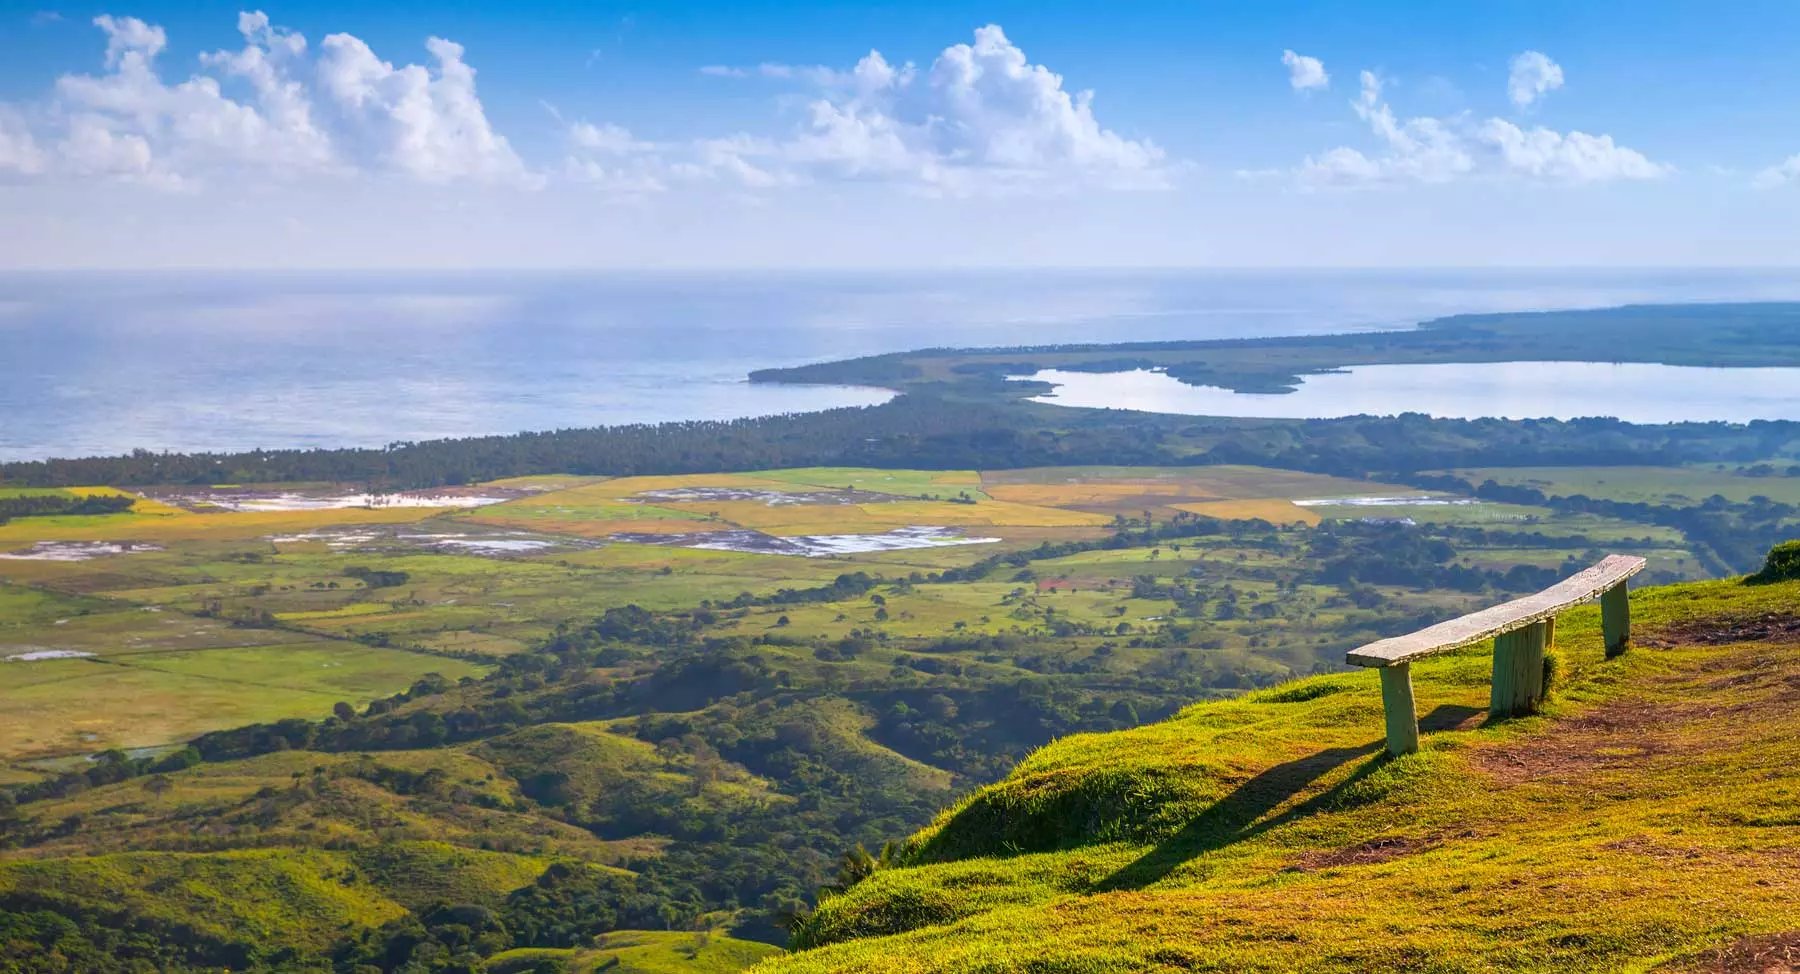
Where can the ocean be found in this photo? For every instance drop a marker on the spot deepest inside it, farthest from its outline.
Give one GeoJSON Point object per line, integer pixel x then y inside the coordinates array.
{"type": "Point", "coordinates": [101, 363]}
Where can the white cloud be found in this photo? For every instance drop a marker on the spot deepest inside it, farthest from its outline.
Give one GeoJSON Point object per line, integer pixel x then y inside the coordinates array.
{"type": "Point", "coordinates": [1781, 174]}
{"type": "Point", "coordinates": [610, 159]}
{"type": "Point", "coordinates": [19, 152]}
{"type": "Point", "coordinates": [130, 37]}
{"type": "Point", "coordinates": [1437, 150]}
{"type": "Point", "coordinates": [93, 148]}
{"type": "Point", "coordinates": [1305, 73]}
{"type": "Point", "coordinates": [344, 111]}
{"type": "Point", "coordinates": [1573, 158]}
{"type": "Point", "coordinates": [408, 119]}
{"type": "Point", "coordinates": [1532, 77]}
{"type": "Point", "coordinates": [981, 118]}
{"type": "Point", "coordinates": [607, 139]}
{"type": "Point", "coordinates": [722, 71]}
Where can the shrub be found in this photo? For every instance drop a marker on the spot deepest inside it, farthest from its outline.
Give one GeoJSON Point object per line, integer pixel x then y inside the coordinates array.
{"type": "Point", "coordinates": [1782, 565]}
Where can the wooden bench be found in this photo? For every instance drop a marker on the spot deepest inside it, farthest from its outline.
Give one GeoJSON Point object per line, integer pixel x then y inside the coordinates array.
{"type": "Point", "coordinates": [1521, 630]}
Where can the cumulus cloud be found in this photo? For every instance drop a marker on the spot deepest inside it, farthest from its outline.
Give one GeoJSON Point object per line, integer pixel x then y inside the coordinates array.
{"type": "Point", "coordinates": [1533, 76]}
{"type": "Point", "coordinates": [341, 112]}
{"type": "Point", "coordinates": [1437, 150]}
{"type": "Point", "coordinates": [429, 125]}
{"type": "Point", "coordinates": [981, 117]}
{"type": "Point", "coordinates": [1305, 73]}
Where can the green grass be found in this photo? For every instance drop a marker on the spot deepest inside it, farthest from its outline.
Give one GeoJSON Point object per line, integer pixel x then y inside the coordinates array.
{"type": "Point", "coordinates": [906, 483]}
{"type": "Point", "coordinates": [1648, 814]}
{"type": "Point", "coordinates": [1672, 486]}
{"type": "Point", "coordinates": [645, 952]}
{"type": "Point", "coordinates": [300, 897]}
{"type": "Point", "coordinates": [62, 706]}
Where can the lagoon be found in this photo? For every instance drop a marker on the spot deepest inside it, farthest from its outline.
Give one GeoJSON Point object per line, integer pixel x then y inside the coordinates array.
{"type": "Point", "coordinates": [1635, 393]}
{"type": "Point", "coordinates": [99, 362]}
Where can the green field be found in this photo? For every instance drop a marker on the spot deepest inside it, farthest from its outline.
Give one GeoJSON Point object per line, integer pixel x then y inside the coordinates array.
{"type": "Point", "coordinates": [1673, 486]}
{"type": "Point", "coordinates": [226, 626]}
{"type": "Point", "coordinates": [564, 714]}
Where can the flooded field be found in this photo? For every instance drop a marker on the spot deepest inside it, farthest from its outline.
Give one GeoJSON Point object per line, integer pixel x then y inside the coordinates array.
{"type": "Point", "coordinates": [327, 498]}
{"type": "Point", "coordinates": [1418, 501]}
{"type": "Point", "coordinates": [489, 543]}
{"type": "Point", "coordinates": [811, 545]}
{"type": "Point", "coordinates": [36, 655]}
{"type": "Point", "coordinates": [77, 550]}
{"type": "Point", "coordinates": [773, 498]}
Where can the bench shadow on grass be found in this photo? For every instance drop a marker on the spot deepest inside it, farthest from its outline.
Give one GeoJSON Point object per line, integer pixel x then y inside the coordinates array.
{"type": "Point", "coordinates": [1240, 815]}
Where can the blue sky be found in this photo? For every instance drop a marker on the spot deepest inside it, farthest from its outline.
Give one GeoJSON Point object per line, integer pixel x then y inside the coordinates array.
{"type": "Point", "coordinates": [759, 134]}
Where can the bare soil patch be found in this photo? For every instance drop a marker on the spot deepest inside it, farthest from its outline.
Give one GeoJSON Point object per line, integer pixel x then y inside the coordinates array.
{"type": "Point", "coordinates": [1618, 734]}
{"type": "Point", "coordinates": [1777, 627]}
{"type": "Point", "coordinates": [1384, 849]}
{"type": "Point", "coordinates": [1771, 953]}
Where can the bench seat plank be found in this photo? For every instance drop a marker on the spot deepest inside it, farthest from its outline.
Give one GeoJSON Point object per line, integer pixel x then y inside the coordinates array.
{"type": "Point", "coordinates": [1486, 624]}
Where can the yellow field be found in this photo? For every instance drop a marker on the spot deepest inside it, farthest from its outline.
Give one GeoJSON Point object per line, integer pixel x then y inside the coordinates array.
{"type": "Point", "coordinates": [622, 487]}
{"type": "Point", "coordinates": [994, 513]}
{"type": "Point", "coordinates": [199, 527]}
{"type": "Point", "coordinates": [144, 505]}
{"type": "Point", "coordinates": [1271, 509]}
{"type": "Point", "coordinates": [1093, 494]}
{"type": "Point", "coordinates": [545, 482]}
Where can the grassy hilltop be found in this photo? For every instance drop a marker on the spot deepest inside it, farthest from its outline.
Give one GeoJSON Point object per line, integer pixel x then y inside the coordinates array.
{"type": "Point", "coordinates": [1648, 820]}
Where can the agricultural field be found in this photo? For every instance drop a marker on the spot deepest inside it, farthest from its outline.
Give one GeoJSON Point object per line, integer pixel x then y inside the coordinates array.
{"type": "Point", "coordinates": [202, 608]}
{"type": "Point", "coordinates": [594, 707]}
{"type": "Point", "coordinates": [1665, 486]}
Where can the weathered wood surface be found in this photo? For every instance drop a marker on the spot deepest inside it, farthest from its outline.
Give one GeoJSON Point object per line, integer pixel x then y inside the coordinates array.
{"type": "Point", "coordinates": [1518, 670]}
{"type": "Point", "coordinates": [1615, 620]}
{"type": "Point", "coordinates": [1484, 625]}
{"type": "Point", "coordinates": [1402, 714]}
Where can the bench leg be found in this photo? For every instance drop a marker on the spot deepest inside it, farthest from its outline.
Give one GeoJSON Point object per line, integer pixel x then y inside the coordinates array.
{"type": "Point", "coordinates": [1397, 703]}
{"type": "Point", "coordinates": [1615, 619]}
{"type": "Point", "coordinates": [1518, 671]}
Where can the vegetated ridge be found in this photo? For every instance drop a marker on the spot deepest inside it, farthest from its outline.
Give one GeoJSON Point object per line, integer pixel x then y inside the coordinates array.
{"type": "Point", "coordinates": [1648, 819]}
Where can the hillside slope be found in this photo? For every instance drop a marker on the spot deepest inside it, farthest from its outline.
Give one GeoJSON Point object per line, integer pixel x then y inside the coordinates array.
{"type": "Point", "coordinates": [1649, 820]}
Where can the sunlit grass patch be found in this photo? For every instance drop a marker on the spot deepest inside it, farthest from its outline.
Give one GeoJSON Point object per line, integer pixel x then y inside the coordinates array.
{"type": "Point", "coordinates": [1636, 819]}
{"type": "Point", "coordinates": [985, 513]}
{"type": "Point", "coordinates": [147, 506]}
{"type": "Point", "coordinates": [642, 952]}
{"type": "Point", "coordinates": [1268, 509]}
{"type": "Point", "coordinates": [62, 706]}
{"type": "Point", "coordinates": [906, 483]}
{"type": "Point", "coordinates": [197, 527]}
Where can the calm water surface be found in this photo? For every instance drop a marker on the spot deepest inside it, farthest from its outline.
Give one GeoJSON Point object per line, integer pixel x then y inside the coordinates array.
{"type": "Point", "coordinates": [1636, 393]}
{"type": "Point", "coordinates": [103, 363]}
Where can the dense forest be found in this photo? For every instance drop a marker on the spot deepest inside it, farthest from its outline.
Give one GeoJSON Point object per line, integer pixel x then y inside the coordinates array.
{"type": "Point", "coordinates": [937, 431]}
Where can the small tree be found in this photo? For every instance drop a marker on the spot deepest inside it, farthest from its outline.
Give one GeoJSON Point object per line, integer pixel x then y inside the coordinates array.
{"type": "Point", "coordinates": [158, 785]}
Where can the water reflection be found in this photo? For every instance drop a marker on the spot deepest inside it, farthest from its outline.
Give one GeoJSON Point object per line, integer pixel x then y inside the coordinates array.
{"type": "Point", "coordinates": [103, 363]}
{"type": "Point", "coordinates": [1636, 393]}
